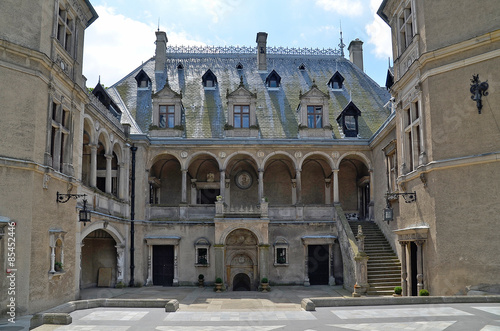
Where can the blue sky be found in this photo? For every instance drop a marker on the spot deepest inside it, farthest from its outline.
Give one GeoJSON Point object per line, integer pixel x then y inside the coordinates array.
{"type": "Point", "coordinates": [123, 35]}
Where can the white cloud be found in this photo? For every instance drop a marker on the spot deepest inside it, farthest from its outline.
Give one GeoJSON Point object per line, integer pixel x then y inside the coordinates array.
{"type": "Point", "coordinates": [379, 33]}
{"type": "Point", "coordinates": [343, 7]}
{"type": "Point", "coordinates": [115, 45]}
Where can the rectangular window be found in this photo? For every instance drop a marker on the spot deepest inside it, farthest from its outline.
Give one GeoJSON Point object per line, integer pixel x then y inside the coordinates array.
{"type": "Point", "coordinates": [65, 30]}
{"type": "Point", "coordinates": [412, 136]}
{"type": "Point", "coordinates": [171, 116]}
{"type": "Point", "coordinates": [350, 123]}
{"type": "Point", "coordinates": [281, 256]}
{"type": "Point", "coordinates": [242, 116]}
{"type": "Point", "coordinates": [314, 116]}
{"type": "Point", "coordinates": [405, 23]}
{"type": "Point", "coordinates": [202, 256]}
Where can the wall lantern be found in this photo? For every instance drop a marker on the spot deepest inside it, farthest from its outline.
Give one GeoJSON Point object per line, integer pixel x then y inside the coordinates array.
{"type": "Point", "coordinates": [84, 214]}
{"type": "Point", "coordinates": [388, 211]}
{"type": "Point", "coordinates": [478, 89]}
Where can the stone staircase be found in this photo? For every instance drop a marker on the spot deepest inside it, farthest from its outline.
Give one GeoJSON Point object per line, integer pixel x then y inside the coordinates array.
{"type": "Point", "coordinates": [384, 267]}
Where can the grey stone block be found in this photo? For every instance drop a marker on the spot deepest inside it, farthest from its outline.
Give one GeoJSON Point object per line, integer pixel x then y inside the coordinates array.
{"type": "Point", "coordinates": [172, 306]}
{"type": "Point", "coordinates": [308, 305]}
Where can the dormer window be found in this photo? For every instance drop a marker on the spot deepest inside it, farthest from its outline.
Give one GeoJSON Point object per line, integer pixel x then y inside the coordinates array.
{"type": "Point", "coordinates": [242, 116]}
{"type": "Point", "coordinates": [336, 82]}
{"type": "Point", "coordinates": [180, 66]}
{"type": "Point", "coordinates": [348, 120]}
{"type": "Point", "coordinates": [239, 66]}
{"type": "Point", "coordinates": [314, 117]}
{"type": "Point", "coordinates": [142, 79]}
{"type": "Point", "coordinates": [314, 114]}
{"type": "Point", "coordinates": [302, 67]}
{"type": "Point", "coordinates": [273, 80]}
{"type": "Point", "coordinates": [167, 116]}
{"type": "Point", "coordinates": [209, 80]}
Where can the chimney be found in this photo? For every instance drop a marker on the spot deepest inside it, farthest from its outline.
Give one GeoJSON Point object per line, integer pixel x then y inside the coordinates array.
{"type": "Point", "coordinates": [161, 51]}
{"type": "Point", "coordinates": [261, 51]}
{"type": "Point", "coordinates": [356, 53]}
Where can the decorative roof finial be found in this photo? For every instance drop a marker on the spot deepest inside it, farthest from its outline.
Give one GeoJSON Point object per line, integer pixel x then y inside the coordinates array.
{"type": "Point", "coordinates": [341, 45]}
{"type": "Point", "coordinates": [241, 80]}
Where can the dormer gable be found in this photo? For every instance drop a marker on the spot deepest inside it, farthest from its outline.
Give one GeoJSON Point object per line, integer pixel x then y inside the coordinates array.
{"type": "Point", "coordinates": [241, 105]}
{"type": "Point", "coordinates": [348, 120]}
{"type": "Point", "coordinates": [314, 112]}
{"type": "Point", "coordinates": [167, 109]}
{"type": "Point", "coordinates": [142, 79]}
{"type": "Point", "coordinates": [209, 80]}
{"type": "Point", "coordinates": [273, 80]}
{"type": "Point", "coordinates": [100, 92]}
{"type": "Point", "coordinates": [336, 82]}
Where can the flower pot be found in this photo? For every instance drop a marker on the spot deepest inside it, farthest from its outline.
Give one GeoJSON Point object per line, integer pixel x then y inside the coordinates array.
{"type": "Point", "coordinates": [218, 287]}
{"type": "Point", "coordinates": [264, 287]}
{"type": "Point", "coordinates": [201, 282]}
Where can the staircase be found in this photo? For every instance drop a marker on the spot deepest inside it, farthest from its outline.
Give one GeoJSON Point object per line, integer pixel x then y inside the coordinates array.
{"type": "Point", "coordinates": [384, 267]}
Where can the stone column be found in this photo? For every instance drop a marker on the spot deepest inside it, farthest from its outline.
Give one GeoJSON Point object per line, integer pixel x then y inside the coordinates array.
{"type": "Point", "coordinates": [194, 191]}
{"type": "Point", "coordinates": [299, 186]}
{"type": "Point", "coordinates": [361, 286]}
{"type": "Point", "coordinates": [176, 267]}
{"type": "Point", "coordinates": [93, 165]}
{"type": "Point", "coordinates": [184, 186]}
{"type": "Point", "coordinates": [294, 191]}
{"type": "Point", "coordinates": [306, 267]}
{"type": "Point", "coordinates": [52, 258]}
{"type": "Point", "coordinates": [404, 274]}
{"type": "Point", "coordinates": [336, 197]}
{"type": "Point", "coordinates": [263, 261]}
{"type": "Point", "coordinates": [331, 279]}
{"type": "Point", "coordinates": [219, 262]}
{"type": "Point", "coordinates": [121, 181]}
{"type": "Point", "coordinates": [109, 158]}
{"type": "Point", "coordinates": [222, 183]}
{"type": "Point", "coordinates": [149, 280]}
{"type": "Point", "coordinates": [420, 274]}
{"type": "Point", "coordinates": [261, 184]}
{"type": "Point", "coordinates": [120, 262]}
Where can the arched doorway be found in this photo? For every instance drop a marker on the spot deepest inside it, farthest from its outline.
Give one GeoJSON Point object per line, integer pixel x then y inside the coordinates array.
{"type": "Point", "coordinates": [241, 259]}
{"type": "Point", "coordinates": [99, 260]}
{"type": "Point", "coordinates": [241, 282]}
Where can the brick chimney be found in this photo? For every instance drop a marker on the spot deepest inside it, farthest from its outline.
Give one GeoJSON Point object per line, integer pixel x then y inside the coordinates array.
{"type": "Point", "coordinates": [261, 51]}
{"type": "Point", "coordinates": [161, 51]}
{"type": "Point", "coordinates": [356, 53]}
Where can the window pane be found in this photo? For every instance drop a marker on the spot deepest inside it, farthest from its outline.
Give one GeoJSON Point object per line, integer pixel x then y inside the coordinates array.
{"type": "Point", "coordinates": [237, 120]}
{"type": "Point", "coordinates": [246, 109]}
{"type": "Point", "coordinates": [310, 121]}
{"type": "Point", "coordinates": [163, 119]}
{"type": "Point", "coordinates": [350, 123]}
{"type": "Point", "coordinates": [319, 121]}
{"type": "Point", "coordinates": [310, 109]}
{"type": "Point", "coordinates": [281, 255]}
{"type": "Point", "coordinates": [246, 121]}
{"type": "Point", "coordinates": [171, 120]}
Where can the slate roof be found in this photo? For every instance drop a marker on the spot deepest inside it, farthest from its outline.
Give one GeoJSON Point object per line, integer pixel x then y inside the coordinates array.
{"type": "Point", "coordinates": [205, 111]}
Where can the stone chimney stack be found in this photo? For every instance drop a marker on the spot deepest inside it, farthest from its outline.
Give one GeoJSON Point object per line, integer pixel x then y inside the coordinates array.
{"type": "Point", "coordinates": [161, 51]}
{"type": "Point", "coordinates": [261, 51]}
{"type": "Point", "coordinates": [356, 53]}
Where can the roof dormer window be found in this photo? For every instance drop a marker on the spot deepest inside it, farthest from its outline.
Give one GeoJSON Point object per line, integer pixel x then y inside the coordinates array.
{"type": "Point", "coordinates": [302, 67]}
{"type": "Point", "coordinates": [336, 82]}
{"type": "Point", "coordinates": [209, 80]}
{"type": "Point", "coordinates": [239, 66]}
{"type": "Point", "coordinates": [348, 120]}
{"type": "Point", "coordinates": [142, 79]}
{"type": "Point", "coordinates": [273, 80]}
{"type": "Point", "coordinates": [180, 66]}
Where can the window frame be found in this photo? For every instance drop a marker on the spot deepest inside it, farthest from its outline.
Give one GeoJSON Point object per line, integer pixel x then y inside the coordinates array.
{"type": "Point", "coordinates": [406, 28]}
{"type": "Point", "coordinates": [281, 244]}
{"type": "Point", "coordinates": [202, 244]}
{"type": "Point", "coordinates": [65, 33]}
{"type": "Point", "coordinates": [315, 114]}
{"type": "Point", "coordinates": [412, 133]}
{"type": "Point", "coordinates": [241, 115]}
{"type": "Point", "coordinates": [168, 114]}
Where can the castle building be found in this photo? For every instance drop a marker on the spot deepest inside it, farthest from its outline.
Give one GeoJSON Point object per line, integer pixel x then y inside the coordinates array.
{"type": "Point", "coordinates": [243, 163]}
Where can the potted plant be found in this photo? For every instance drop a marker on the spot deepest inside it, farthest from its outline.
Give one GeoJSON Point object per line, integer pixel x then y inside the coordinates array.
{"type": "Point", "coordinates": [201, 280]}
{"type": "Point", "coordinates": [397, 291]}
{"type": "Point", "coordinates": [58, 266]}
{"type": "Point", "coordinates": [264, 284]}
{"type": "Point", "coordinates": [218, 284]}
{"type": "Point", "coordinates": [423, 293]}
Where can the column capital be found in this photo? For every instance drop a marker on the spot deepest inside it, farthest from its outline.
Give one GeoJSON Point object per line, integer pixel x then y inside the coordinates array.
{"type": "Point", "coordinates": [184, 170]}
{"type": "Point", "coordinates": [108, 156]}
{"type": "Point", "coordinates": [222, 170]}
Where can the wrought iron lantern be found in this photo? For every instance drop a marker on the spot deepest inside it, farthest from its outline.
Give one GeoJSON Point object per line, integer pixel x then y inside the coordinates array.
{"type": "Point", "coordinates": [388, 211]}
{"type": "Point", "coordinates": [478, 90]}
{"type": "Point", "coordinates": [84, 214]}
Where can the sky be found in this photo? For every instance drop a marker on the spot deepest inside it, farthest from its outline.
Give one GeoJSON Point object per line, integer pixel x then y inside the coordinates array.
{"type": "Point", "coordinates": [122, 38]}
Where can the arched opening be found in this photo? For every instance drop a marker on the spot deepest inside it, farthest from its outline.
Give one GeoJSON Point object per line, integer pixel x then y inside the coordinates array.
{"type": "Point", "coordinates": [204, 174]}
{"type": "Point", "coordinates": [101, 167]}
{"type": "Point", "coordinates": [241, 282]}
{"type": "Point", "coordinates": [278, 175]}
{"type": "Point", "coordinates": [316, 181]}
{"type": "Point", "coordinates": [165, 181]}
{"type": "Point", "coordinates": [354, 187]}
{"type": "Point", "coordinates": [242, 187]}
{"type": "Point", "coordinates": [99, 261]}
{"type": "Point", "coordinates": [86, 154]}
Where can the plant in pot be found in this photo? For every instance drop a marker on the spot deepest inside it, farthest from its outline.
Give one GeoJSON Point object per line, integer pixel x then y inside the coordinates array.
{"type": "Point", "coordinates": [58, 266]}
{"type": "Point", "coordinates": [201, 280]}
{"type": "Point", "coordinates": [397, 291]}
{"type": "Point", "coordinates": [264, 284]}
{"type": "Point", "coordinates": [218, 284]}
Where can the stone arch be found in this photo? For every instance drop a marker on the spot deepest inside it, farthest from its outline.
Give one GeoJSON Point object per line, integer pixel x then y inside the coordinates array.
{"type": "Point", "coordinates": [196, 154]}
{"type": "Point", "coordinates": [224, 235]}
{"type": "Point", "coordinates": [279, 178]}
{"type": "Point", "coordinates": [159, 156]}
{"type": "Point", "coordinates": [363, 157]}
{"type": "Point", "coordinates": [293, 159]}
{"type": "Point", "coordinates": [203, 173]}
{"type": "Point", "coordinates": [103, 136]}
{"type": "Point", "coordinates": [326, 156]}
{"type": "Point", "coordinates": [316, 178]}
{"type": "Point", "coordinates": [102, 246]}
{"type": "Point", "coordinates": [165, 180]}
{"type": "Point", "coordinates": [230, 158]}
{"type": "Point", "coordinates": [241, 256]}
{"type": "Point", "coordinates": [242, 180]}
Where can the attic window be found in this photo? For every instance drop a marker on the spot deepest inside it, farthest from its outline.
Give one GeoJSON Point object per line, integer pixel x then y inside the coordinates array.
{"type": "Point", "coordinates": [336, 82]}
{"type": "Point", "coordinates": [209, 80]}
{"type": "Point", "coordinates": [302, 67]}
{"type": "Point", "coordinates": [348, 120]}
{"type": "Point", "coordinates": [273, 80]}
{"type": "Point", "coordinates": [239, 66]}
{"type": "Point", "coordinates": [180, 66]}
{"type": "Point", "coordinates": [142, 79]}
